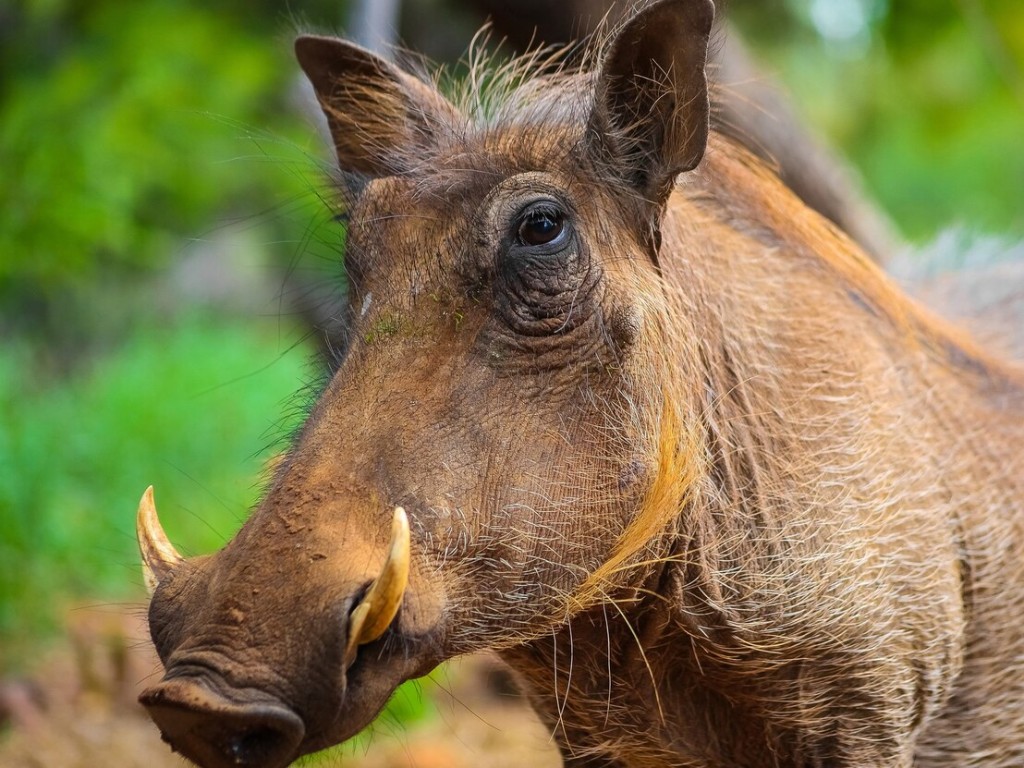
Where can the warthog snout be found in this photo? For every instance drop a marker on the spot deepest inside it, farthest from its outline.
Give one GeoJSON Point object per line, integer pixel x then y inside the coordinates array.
{"type": "Point", "coordinates": [214, 731]}
{"type": "Point", "coordinates": [231, 698]}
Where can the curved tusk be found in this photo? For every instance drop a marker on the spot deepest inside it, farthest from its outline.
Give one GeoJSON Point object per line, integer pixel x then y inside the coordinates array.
{"type": "Point", "coordinates": [159, 557]}
{"type": "Point", "coordinates": [378, 608]}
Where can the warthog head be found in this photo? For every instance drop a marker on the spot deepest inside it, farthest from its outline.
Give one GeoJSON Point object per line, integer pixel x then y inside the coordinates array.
{"type": "Point", "coordinates": [503, 442]}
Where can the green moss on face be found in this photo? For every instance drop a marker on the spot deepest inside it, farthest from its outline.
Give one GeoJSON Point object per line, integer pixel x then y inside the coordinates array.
{"type": "Point", "coordinates": [385, 327]}
{"type": "Point", "coordinates": [452, 309]}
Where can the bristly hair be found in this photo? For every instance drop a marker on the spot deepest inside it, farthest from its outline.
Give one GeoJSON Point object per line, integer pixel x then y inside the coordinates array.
{"type": "Point", "coordinates": [490, 88]}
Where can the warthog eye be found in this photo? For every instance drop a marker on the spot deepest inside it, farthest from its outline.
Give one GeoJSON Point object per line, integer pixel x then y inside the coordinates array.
{"type": "Point", "coordinates": [542, 224]}
{"type": "Point", "coordinates": [542, 268]}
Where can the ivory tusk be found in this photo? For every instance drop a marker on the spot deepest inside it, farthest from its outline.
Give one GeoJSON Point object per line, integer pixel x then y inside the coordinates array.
{"type": "Point", "coordinates": [378, 608]}
{"type": "Point", "coordinates": [159, 557]}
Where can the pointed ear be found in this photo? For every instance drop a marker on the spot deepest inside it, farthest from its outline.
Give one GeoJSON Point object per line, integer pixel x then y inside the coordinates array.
{"type": "Point", "coordinates": [651, 106]}
{"type": "Point", "coordinates": [379, 116]}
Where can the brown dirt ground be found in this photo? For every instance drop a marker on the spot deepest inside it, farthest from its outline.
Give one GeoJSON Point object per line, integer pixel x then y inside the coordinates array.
{"type": "Point", "coordinates": [78, 710]}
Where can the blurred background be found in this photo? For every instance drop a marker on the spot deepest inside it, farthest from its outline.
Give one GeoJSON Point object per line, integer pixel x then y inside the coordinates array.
{"type": "Point", "coordinates": [169, 268]}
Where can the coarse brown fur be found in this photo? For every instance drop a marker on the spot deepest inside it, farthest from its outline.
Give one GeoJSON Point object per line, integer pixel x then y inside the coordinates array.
{"type": "Point", "coordinates": [719, 493]}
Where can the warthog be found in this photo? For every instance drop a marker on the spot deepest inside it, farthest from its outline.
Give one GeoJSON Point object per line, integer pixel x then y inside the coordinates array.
{"type": "Point", "coordinates": [617, 406]}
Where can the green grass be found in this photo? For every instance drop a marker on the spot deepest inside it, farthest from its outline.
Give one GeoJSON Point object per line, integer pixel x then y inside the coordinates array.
{"type": "Point", "coordinates": [194, 409]}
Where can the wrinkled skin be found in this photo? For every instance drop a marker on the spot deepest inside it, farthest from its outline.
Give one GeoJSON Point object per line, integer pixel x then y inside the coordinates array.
{"type": "Point", "coordinates": [662, 445]}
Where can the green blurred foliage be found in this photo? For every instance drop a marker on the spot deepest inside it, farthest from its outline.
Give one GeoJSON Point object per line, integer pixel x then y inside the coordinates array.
{"type": "Point", "coordinates": [127, 127]}
{"type": "Point", "coordinates": [926, 97]}
{"type": "Point", "coordinates": [110, 144]}
{"type": "Point", "coordinates": [194, 409]}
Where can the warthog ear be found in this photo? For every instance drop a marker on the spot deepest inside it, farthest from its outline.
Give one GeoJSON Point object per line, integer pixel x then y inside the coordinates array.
{"type": "Point", "coordinates": [379, 116]}
{"type": "Point", "coordinates": [651, 106]}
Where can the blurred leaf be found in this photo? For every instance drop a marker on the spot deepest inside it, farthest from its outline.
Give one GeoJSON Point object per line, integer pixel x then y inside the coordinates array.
{"type": "Point", "coordinates": [125, 139]}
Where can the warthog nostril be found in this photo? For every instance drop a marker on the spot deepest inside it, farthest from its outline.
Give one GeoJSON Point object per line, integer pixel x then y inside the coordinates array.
{"type": "Point", "coordinates": [253, 747]}
{"type": "Point", "coordinates": [215, 732]}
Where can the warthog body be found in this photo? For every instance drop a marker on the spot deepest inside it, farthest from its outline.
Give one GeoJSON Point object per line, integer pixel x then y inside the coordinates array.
{"type": "Point", "coordinates": [664, 438]}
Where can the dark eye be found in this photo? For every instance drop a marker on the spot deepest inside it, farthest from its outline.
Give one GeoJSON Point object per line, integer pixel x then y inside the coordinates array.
{"type": "Point", "coordinates": [540, 225]}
